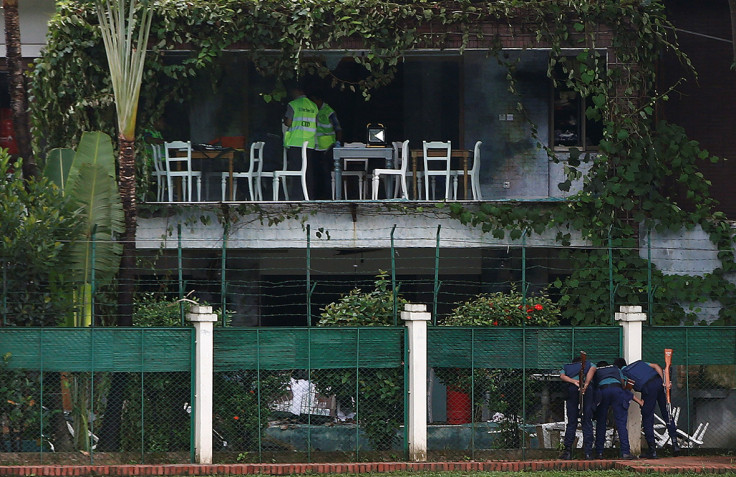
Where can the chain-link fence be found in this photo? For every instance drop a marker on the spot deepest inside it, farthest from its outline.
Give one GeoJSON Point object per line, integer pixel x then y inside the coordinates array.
{"type": "Point", "coordinates": [496, 393]}
{"type": "Point", "coordinates": [703, 392]}
{"type": "Point", "coordinates": [493, 390]}
{"type": "Point", "coordinates": [105, 396]}
{"type": "Point", "coordinates": [309, 394]}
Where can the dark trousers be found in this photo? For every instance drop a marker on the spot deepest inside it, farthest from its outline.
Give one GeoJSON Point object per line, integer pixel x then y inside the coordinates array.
{"type": "Point", "coordinates": [572, 404]}
{"type": "Point", "coordinates": [324, 165]}
{"type": "Point", "coordinates": [617, 398]}
{"type": "Point", "coordinates": [653, 393]}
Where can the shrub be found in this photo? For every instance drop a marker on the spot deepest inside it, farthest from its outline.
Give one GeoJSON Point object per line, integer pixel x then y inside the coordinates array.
{"type": "Point", "coordinates": [505, 309]}
{"type": "Point", "coordinates": [381, 391]}
{"type": "Point", "coordinates": [499, 389]}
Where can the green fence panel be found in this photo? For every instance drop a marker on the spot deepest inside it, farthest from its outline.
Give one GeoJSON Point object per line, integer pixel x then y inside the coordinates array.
{"type": "Point", "coordinates": [449, 347]}
{"type": "Point", "coordinates": [691, 345]}
{"type": "Point", "coordinates": [307, 348]}
{"type": "Point", "coordinates": [98, 349]}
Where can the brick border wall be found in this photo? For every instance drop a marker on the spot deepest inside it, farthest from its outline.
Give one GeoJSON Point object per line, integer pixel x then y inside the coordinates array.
{"type": "Point", "coordinates": [677, 465]}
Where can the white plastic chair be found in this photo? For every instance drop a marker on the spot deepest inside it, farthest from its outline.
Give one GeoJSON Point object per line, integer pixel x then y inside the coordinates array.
{"type": "Point", "coordinates": [402, 159]}
{"type": "Point", "coordinates": [440, 153]}
{"type": "Point", "coordinates": [178, 165]}
{"type": "Point", "coordinates": [159, 170]}
{"type": "Point", "coordinates": [279, 177]}
{"type": "Point", "coordinates": [255, 168]}
{"type": "Point", "coordinates": [472, 174]}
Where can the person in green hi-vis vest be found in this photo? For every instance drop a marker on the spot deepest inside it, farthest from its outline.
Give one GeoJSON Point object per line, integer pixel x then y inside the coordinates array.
{"type": "Point", "coordinates": [329, 135]}
{"type": "Point", "coordinates": [300, 120]}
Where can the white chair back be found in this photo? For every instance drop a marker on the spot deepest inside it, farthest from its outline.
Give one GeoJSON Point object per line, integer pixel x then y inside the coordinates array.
{"type": "Point", "coordinates": [256, 157]}
{"type": "Point", "coordinates": [178, 151]}
{"type": "Point", "coordinates": [476, 158]}
{"type": "Point", "coordinates": [439, 152]}
{"type": "Point", "coordinates": [403, 157]}
{"type": "Point", "coordinates": [303, 169]}
{"type": "Point", "coordinates": [158, 158]}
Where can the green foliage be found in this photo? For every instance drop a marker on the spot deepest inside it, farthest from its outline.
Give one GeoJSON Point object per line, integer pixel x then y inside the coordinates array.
{"type": "Point", "coordinates": [643, 173]}
{"type": "Point", "coordinates": [20, 409]}
{"type": "Point", "coordinates": [38, 227]}
{"type": "Point", "coordinates": [237, 413]}
{"type": "Point", "coordinates": [159, 402]}
{"type": "Point", "coordinates": [499, 389]}
{"type": "Point", "coordinates": [87, 177]}
{"type": "Point", "coordinates": [359, 308]}
{"type": "Point", "coordinates": [380, 391]}
{"type": "Point", "coordinates": [505, 309]}
{"type": "Point", "coordinates": [153, 310]}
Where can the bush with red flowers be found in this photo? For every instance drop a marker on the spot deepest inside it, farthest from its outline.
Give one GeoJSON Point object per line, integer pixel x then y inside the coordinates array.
{"type": "Point", "coordinates": [505, 309]}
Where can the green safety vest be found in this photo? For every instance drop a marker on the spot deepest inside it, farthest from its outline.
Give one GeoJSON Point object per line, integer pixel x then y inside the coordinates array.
{"type": "Point", "coordinates": [303, 124]}
{"type": "Point", "coordinates": [326, 136]}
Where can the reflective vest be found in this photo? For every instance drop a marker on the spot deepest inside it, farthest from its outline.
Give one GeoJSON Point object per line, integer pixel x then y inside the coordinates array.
{"type": "Point", "coordinates": [605, 372]}
{"type": "Point", "coordinates": [303, 124]}
{"type": "Point", "coordinates": [572, 370]}
{"type": "Point", "coordinates": [325, 136]}
{"type": "Point", "coordinates": [640, 372]}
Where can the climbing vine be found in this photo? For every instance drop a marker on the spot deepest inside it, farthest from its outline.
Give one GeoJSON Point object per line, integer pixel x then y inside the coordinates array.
{"type": "Point", "coordinates": [644, 177]}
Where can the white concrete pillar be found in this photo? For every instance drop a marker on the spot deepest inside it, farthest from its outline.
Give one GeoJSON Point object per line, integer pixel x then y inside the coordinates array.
{"type": "Point", "coordinates": [203, 320]}
{"type": "Point", "coordinates": [416, 318]}
{"type": "Point", "coordinates": [631, 318]}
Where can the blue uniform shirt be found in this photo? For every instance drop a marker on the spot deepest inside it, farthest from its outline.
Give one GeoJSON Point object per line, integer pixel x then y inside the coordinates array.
{"type": "Point", "coordinates": [576, 377]}
{"type": "Point", "coordinates": [605, 381]}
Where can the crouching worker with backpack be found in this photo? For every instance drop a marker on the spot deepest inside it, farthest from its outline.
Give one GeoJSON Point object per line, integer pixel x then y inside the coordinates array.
{"type": "Point", "coordinates": [609, 381]}
{"type": "Point", "coordinates": [570, 374]}
{"type": "Point", "coordinates": [648, 380]}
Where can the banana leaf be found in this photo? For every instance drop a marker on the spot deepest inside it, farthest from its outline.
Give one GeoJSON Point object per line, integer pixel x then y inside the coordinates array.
{"type": "Point", "coordinates": [58, 164]}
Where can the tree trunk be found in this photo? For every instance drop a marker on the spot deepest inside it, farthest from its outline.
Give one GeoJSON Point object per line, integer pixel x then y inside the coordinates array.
{"type": "Point", "coordinates": [126, 181]}
{"type": "Point", "coordinates": [112, 420]}
{"type": "Point", "coordinates": [18, 97]}
{"type": "Point", "coordinates": [110, 431]}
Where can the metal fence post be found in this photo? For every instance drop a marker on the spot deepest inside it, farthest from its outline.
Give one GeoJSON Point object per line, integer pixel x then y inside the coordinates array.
{"type": "Point", "coordinates": [203, 320]}
{"type": "Point", "coordinates": [416, 317]}
{"type": "Point", "coordinates": [5, 293]}
{"type": "Point", "coordinates": [309, 277]}
{"type": "Point", "coordinates": [631, 319]}
{"type": "Point", "coordinates": [436, 276]}
{"type": "Point", "coordinates": [611, 294]}
{"type": "Point", "coordinates": [523, 344]}
{"type": "Point", "coordinates": [181, 272]}
{"type": "Point", "coordinates": [393, 277]}
{"type": "Point", "coordinates": [650, 291]}
{"type": "Point", "coordinates": [223, 275]}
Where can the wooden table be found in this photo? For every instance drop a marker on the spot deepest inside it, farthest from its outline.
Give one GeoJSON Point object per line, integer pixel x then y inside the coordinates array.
{"type": "Point", "coordinates": [228, 154]}
{"type": "Point", "coordinates": [340, 153]}
{"type": "Point", "coordinates": [463, 154]}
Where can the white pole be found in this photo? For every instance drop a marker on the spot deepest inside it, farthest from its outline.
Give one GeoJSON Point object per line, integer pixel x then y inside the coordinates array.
{"type": "Point", "coordinates": [203, 320]}
{"type": "Point", "coordinates": [631, 318]}
{"type": "Point", "coordinates": [416, 318]}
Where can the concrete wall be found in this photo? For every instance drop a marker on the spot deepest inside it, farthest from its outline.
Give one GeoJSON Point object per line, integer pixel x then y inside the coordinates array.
{"type": "Point", "coordinates": [34, 17]}
{"type": "Point", "coordinates": [371, 228]}
{"type": "Point", "coordinates": [685, 252]}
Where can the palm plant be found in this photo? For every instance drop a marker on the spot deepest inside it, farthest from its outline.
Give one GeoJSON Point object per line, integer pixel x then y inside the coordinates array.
{"type": "Point", "coordinates": [88, 177]}
{"type": "Point", "coordinates": [125, 37]}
